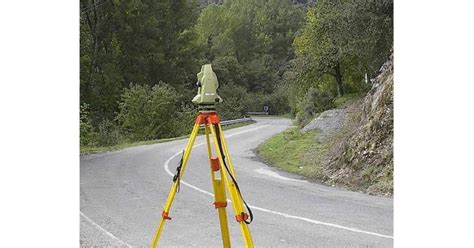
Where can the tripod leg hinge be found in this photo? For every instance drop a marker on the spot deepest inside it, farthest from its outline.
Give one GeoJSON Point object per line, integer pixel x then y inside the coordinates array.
{"type": "Point", "coordinates": [214, 163]}
{"type": "Point", "coordinates": [241, 217]}
{"type": "Point", "coordinates": [220, 204]}
{"type": "Point", "coordinates": [165, 216]}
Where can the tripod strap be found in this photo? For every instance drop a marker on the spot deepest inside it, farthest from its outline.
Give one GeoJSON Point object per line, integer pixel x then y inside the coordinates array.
{"type": "Point", "coordinates": [177, 176]}
{"type": "Point", "coordinates": [242, 215]}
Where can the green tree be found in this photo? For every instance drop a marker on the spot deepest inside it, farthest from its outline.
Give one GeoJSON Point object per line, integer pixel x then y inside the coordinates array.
{"type": "Point", "coordinates": [125, 42]}
{"type": "Point", "coordinates": [249, 41]}
{"type": "Point", "coordinates": [100, 83]}
{"type": "Point", "coordinates": [345, 37]}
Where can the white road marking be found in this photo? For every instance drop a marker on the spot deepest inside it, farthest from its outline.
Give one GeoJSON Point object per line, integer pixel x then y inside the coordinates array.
{"type": "Point", "coordinates": [185, 183]}
{"type": "Point", "coordinates": [200, 144]}
{"type": "Point", "coordinates": [270, 173]}
{"type": "Point", "coordinates": [103, 230]}
{"type": "Point", "coordinates": [166, 166]}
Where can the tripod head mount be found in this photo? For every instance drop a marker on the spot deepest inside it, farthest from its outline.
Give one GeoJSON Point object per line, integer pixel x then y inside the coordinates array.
{"type": "Point", "coordinates": [207, 83]}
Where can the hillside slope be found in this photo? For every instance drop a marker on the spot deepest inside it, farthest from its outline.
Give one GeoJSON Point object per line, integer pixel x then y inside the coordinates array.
{"type": "Point", "coordinates": [350, 146]}
{"type": "Point", "coordinates": [362, 155]}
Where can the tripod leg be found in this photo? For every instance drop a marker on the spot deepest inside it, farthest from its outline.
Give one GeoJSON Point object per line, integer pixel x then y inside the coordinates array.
{"type": "Point", "coordinates": [237, 203]}
{"type": "Point", "coordinates": [219, 194]}
{"type": "Point", "coordinates": [172, 193]}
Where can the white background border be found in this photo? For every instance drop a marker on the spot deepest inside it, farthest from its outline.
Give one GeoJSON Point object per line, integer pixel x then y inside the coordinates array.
{"type": "Point", "coordinates": [39, 127]}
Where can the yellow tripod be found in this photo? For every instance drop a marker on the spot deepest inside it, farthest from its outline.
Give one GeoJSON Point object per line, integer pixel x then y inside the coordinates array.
{"type": "Point", "coordinates": [221, 165]}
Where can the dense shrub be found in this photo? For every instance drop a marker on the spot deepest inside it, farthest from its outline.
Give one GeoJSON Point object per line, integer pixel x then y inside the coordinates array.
{"type": "Point", "coordinates": [109, 133]}
{"type": "Point", "coordinates": [315, 101]}
{"type": "Point", "coordinates": [234, 105]}
{"type": "Point", "coordinates": [184, 120]}
{"type": "Point", "coordinates": [277, 102]}
{"type": "Point", "coordinates": [145, 113]}
{"type": "Point", "coordinates": [88, 135]}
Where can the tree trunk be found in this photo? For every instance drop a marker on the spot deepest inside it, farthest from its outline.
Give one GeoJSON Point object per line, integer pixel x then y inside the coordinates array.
{"type": "Point", "coordinates": [338, 75]}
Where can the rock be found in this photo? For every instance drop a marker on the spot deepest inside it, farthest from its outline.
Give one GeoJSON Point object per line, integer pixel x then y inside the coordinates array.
{"type": "Point", "coordinates": [328, 122]}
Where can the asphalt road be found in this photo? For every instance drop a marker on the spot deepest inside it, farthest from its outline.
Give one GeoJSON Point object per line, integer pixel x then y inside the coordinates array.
{"type": "Point", "coordinates": [123, 193]}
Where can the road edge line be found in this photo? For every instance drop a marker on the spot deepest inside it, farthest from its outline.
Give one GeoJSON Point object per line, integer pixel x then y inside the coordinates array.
{"type": "Point", "coordinates": [166, 167]}
{"type": "Point", "coordinates": [103, 230]}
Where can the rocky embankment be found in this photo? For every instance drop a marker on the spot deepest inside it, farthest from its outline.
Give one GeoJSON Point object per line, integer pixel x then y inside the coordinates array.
{"type": "Point", "coordinates": [360, 138]}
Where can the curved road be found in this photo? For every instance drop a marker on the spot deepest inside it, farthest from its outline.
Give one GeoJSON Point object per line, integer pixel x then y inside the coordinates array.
{"type": "Point", "coordinates": [123, 193]}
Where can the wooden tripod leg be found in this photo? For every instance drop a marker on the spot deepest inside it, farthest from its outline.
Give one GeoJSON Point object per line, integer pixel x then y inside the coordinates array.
{"type": "Point", "coordinates": [237, 203]}
{"type": "Point", "coordinates": [219, 193]}
{"type": "Point", "coordinates": [172, 193]}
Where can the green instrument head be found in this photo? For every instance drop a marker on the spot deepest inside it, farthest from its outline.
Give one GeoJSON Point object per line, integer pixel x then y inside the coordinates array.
{"type": "Point", "coordinates": [208, 84]}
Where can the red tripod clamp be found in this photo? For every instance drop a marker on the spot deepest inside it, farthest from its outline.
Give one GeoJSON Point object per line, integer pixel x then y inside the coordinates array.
{"type": "Point", "coordinates": [220, 204]}
{"type": "Point", "coordinates": [208, 118]}
{"type": "Point", "coordinates": [165, 216]}
{"type": "Point", "coordinates": [241, 217]}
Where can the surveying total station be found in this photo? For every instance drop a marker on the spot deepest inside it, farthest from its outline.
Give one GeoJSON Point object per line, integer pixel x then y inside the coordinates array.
{"type": "Point", "coordinates": [222, 171]}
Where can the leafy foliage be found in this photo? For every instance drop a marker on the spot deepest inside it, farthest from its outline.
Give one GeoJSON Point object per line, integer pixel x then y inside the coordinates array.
{"type": "Point", "coordinates": [235, 104]}
{"type": "Point", "coordinates": [249, 41]}
{"type": "Point", "coordinates": [314, 102]}
{"type": "Point", "coordinates": [340, 43]}
{"type": "Point", "coordinates": [125, 42]}
{"type": "Point", "coordinates": [86, 129]}
{"type": "Point", "coordinates": [109, 133]}
{"type": "Point", "coordinates": [139, 59]}
{"type": "Point", "coordinates": [144, 112]}
{"type": "Point", "coordinates": [340, 38]}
